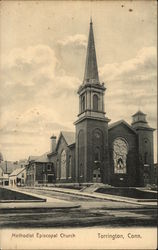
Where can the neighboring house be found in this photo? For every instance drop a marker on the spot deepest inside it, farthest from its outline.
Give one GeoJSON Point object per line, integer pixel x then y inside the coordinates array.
{"type": "Point", "coordinates": [4, 178]}
{"type": "Point", "coordinates": [39, 170]}
{"type": "Point", "coordinates": [6, 168]}
{"type": "Point", "coordinates": [17, 177]}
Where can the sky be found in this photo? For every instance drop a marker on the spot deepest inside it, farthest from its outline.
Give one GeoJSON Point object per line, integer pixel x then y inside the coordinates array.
{"type": "Point", "coordinates": [43, 49]}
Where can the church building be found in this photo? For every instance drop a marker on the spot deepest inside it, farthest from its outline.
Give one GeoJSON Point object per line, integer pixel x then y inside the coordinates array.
{"type": "Point", "coordinates": [119, 154]}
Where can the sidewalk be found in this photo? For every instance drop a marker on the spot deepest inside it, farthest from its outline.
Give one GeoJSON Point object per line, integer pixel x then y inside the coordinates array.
{"type": "Point", "coordinates": [145, 203]}
{"type": "Point", "coordinates": [49, 203]}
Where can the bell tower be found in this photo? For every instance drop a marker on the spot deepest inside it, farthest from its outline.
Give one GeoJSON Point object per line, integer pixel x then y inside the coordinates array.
{"type": "Point", "coordinates": [92, 161]}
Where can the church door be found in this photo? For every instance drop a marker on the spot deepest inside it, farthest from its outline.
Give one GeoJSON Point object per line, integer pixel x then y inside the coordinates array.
{"type": "Point", "coordinates": [96, 176]}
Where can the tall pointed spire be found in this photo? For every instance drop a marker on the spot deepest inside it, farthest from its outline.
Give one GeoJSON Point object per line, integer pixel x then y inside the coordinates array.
{"type": "Point", "coordinates": [91, 68]}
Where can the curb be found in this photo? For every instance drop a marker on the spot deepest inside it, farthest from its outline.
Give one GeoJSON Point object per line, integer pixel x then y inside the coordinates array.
{"type": "Point", "coordinates": [39, 208]}
{"type": "Point", "coordinates": [106, 197]}
{"type": "Point", "coordinates": [22, 201]}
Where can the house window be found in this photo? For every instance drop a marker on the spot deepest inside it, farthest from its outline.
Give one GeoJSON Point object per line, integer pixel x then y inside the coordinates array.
{"type": "Point", "coordinates": [63, 164]}
{"type": "Point", "coordinates": [43, 167]}
{"type": "Point", "coordinates": [49, 167]}
{"type": "Point", "coordinates": [95, 102]}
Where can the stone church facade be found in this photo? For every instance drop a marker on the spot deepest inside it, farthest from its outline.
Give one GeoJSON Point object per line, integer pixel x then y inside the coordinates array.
{"type": "Point", "coordinates": [118, 154]}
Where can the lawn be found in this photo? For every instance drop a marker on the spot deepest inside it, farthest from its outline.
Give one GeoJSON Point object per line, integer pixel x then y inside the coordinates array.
{"type": "Point", "coordinates": [128, 192]}
{"type": "Point", "coordinates": [9, 195]}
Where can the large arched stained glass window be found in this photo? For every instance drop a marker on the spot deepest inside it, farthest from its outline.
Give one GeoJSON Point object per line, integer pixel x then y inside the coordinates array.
{"type": "Point", "coordinates": [63, 164]}
{"type": "Point", "coordinates": [120, 151]}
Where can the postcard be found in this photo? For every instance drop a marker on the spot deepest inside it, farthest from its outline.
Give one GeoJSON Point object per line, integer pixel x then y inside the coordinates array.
{"type": "Point", "coordinates": [78, 163]}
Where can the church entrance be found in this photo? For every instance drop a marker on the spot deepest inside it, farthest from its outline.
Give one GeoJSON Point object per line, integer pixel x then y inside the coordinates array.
{"type": "Point", "coordinates": [96, 176]}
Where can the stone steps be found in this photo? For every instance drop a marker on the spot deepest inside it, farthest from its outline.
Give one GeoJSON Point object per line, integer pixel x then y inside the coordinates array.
{"type": "Point", "coordinates": [92, 188]}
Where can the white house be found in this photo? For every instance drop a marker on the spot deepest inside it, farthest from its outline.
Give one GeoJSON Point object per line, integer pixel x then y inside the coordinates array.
{"type": "Point", "coordinates": [17, 177]}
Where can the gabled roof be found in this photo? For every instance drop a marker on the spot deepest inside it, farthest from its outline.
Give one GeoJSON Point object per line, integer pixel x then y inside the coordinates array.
{"type": "Point", "coordinates": [8, 166]}
{"type": "Point", "coordinates": [5, 176]}
{"type": "Point", "coordinates": [17, 171]}
{"type": "Point", "coordinates": [42, 158]}
{"type": "Point", "coordinates": [69, 138]}
{"type": "Point", "coordinates": [32, 158]}
{"type": "Point", "coordinates": [112, 125]}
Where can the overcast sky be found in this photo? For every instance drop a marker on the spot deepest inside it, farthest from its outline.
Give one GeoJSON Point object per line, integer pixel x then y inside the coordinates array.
{"type": "Point", "coordinates": [43, 50]}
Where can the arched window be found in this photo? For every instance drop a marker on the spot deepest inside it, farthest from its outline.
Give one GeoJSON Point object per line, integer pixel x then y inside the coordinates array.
{"type": "Point", "coordinates": [63, 164]}
{"type": "Point", "coordinates": [82, 103]}
{"type": "Point", "coordinates": [95, 102]}
{"type": "Point", "coordinates": [81, 170]}
{"type": "Point", "coordinates": [70, 167]}
{"type": "Point", "coordinates": [57, 170]}
{"type": "Point", "coordinates": [120, 151]}
{"type": "Point", "coordinates": [97, 154]}
{"type": "Point", "coordinates": [147, 150]}
{"type": "Point", "coordinates": [98, 144]}
{"type": "Point", "coordinates": [145, 157]}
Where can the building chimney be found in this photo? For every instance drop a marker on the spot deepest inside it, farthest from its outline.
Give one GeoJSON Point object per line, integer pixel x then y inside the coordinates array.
{"type": "Point", "coordinates": [53, 143]}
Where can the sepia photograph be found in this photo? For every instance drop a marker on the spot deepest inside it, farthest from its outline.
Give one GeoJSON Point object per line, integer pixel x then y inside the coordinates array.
{"type": "Point", "coordinates": [78, 124]}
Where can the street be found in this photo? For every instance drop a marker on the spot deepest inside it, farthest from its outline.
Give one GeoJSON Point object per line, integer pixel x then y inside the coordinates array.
{"type": "Point", "coordinates": [92, 213]}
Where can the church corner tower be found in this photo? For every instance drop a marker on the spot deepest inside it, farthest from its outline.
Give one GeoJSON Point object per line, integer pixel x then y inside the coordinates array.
{"type": "Point", "coordinates": [92, 161]}
{"type": "Point", "coordinates": [145, 147]}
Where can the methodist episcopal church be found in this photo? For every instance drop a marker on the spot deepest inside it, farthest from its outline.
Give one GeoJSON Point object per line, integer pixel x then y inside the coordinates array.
{"type": "Point", "coordinates": [119, 154]}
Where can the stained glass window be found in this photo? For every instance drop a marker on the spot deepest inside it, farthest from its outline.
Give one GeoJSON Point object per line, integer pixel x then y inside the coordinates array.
{"type": "Point", "coordinates": [120, 150]}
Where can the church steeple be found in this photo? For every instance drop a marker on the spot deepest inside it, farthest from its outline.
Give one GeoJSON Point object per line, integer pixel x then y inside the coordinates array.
{"type": "Point", "coordinates": [91, 68]}
{"type": "Point", "coordinates": [91, 125]}
{"type": "Point", "coordinates": [91, 92]}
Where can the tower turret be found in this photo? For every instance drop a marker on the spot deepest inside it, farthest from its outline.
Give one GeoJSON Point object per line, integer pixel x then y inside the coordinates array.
{"type": "Point", "coordinates": [139, 120]}
{"type": "Point", "coordinates": [145, 146]}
